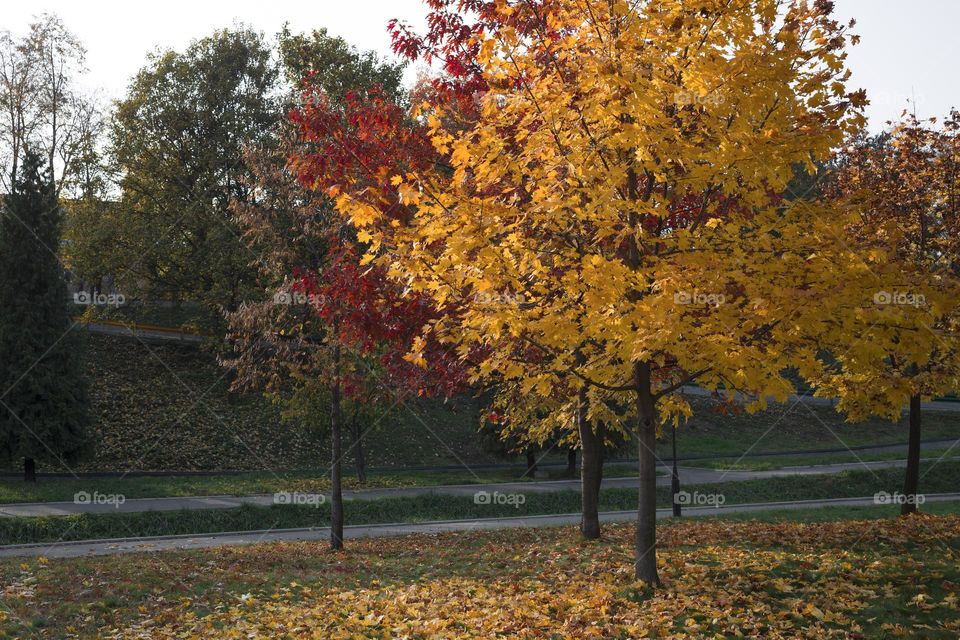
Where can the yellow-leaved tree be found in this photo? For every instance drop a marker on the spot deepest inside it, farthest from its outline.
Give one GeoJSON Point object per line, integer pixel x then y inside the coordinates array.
{"type": "Point", "coordinates": [622, 186]}
{"type": "Point", "coordinates": [905, 186]}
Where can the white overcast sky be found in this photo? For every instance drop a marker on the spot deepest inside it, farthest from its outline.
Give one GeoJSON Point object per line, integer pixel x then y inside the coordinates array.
{"type": "Point", "coordinates": [909, 48]}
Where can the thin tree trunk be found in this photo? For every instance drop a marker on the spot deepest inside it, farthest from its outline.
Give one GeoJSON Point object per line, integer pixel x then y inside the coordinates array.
{"type": "Point", "coordinates": [55, 108]}
{"type": "Point", "coordinates": [531, 464]}
{"type": "Point", "coordinates": [336, 489]}
{"type": "Point", "coordinates": [360, 459]}
{"type": "Point", "coordinates": [29, 470]}
{"type": "Point", "coordinates": [646, 534]}
{"type": "Point", "coordinates": [591, 475]}
{"type": "Point", "coordinates": [675, 479]}
{"type": "Point", "coordinates": [571, 471]}
{"type": "Point", "coordinates": [911, 481]}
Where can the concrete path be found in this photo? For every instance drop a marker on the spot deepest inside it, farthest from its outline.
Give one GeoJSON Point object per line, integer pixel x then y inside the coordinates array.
{"type": "Point", "coordinates": [152, 334]}
{"type": "Point", "coordinates": [857, 450]}
{"type": "Point", "coordinates": [184, 542]}
{"type": "Point", "coordinates": [689, 476]}
{"type": "Point", "coordinates": [933, 405]}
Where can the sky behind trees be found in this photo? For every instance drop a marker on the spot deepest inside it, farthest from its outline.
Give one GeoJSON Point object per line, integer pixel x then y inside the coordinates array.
{"type": "Point", "coordinates": [908, 51]}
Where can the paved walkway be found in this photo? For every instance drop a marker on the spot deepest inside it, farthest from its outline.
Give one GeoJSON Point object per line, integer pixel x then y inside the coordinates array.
{"type": "Point", "coordinates": [150, 333]}
{"type": "Point", "coordinates": [934, 405]}
{"type": "Point", "coordinates": [183, 542]}
{"type": "Point", "coordinates": [689, 476]}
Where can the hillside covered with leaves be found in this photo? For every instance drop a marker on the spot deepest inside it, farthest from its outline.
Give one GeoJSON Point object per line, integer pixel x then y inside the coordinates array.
{"type": "Point", "coordinates": [167, 406]}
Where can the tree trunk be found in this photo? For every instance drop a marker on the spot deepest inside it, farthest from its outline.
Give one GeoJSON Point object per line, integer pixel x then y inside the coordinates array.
{"type": "Point", "coordinates": [336, 489]}
{"type": "Point", "coordinates": [911, 481]}
{"type": "Point", "coordinates": [571, 471]}
{"type": "Point", "coordinates": [29, 470]}
{"type": "Point", "coordinates": [646, 534]}
{"type": "Point", "coordinates": [675, 479]}
{"type": "Point", "coordinates": [531, 464]}
{"type": "Point", "coordinates": [361, 461]}
{"type": "Point", "coordinates": [591, 476]}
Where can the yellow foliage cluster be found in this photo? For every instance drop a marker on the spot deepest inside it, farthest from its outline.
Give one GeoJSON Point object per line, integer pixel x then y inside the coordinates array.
{"type": "Point", "coordinates": [616, 221]}
{"type": "Point", "coordinates": [903, 186]}
{"type": "Point", "coordinates": [615, 203]}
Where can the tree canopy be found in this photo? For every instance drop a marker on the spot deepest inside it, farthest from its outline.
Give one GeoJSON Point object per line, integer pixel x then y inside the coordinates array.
{"type": "Point", "coordinates": [620, 184]}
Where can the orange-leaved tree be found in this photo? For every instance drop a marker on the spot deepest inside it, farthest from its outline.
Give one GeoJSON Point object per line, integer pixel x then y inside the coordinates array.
{"type": "Point", "coordinates": [905, 186]}
{"type": "Point", "coordinates": [572, 193]}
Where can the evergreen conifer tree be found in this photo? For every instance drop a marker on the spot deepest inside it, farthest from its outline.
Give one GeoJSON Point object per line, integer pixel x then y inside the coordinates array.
{"type": "Point", "coordinates": [43, 393]}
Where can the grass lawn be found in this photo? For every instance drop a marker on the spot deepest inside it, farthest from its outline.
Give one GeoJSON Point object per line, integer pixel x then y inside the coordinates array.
{"type": "Point", "coordinates": [779, 462]}
{"type": "Point", "coordinates": [243, 484]}
{"type": "Point", "coordinates": [834, 514]}
{"type": "Point", "coordinates": [941, 478]}
{"type": "Point", "coordinates": [259, 482]}
{"type": "Point", "coordinates": [861, 577]}
{"type": "Point", "coordinates": [790, 427]}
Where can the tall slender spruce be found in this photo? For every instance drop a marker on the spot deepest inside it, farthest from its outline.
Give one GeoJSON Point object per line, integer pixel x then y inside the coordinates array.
{"type": "Point", "coordinates": [43, 394]}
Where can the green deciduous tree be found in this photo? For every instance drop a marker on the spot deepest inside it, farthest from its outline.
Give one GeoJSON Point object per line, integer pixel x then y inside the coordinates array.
{"type": "Point", "coordinates": [332, 63]}
{"type": "Point", "coordinates": [178, 139]}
